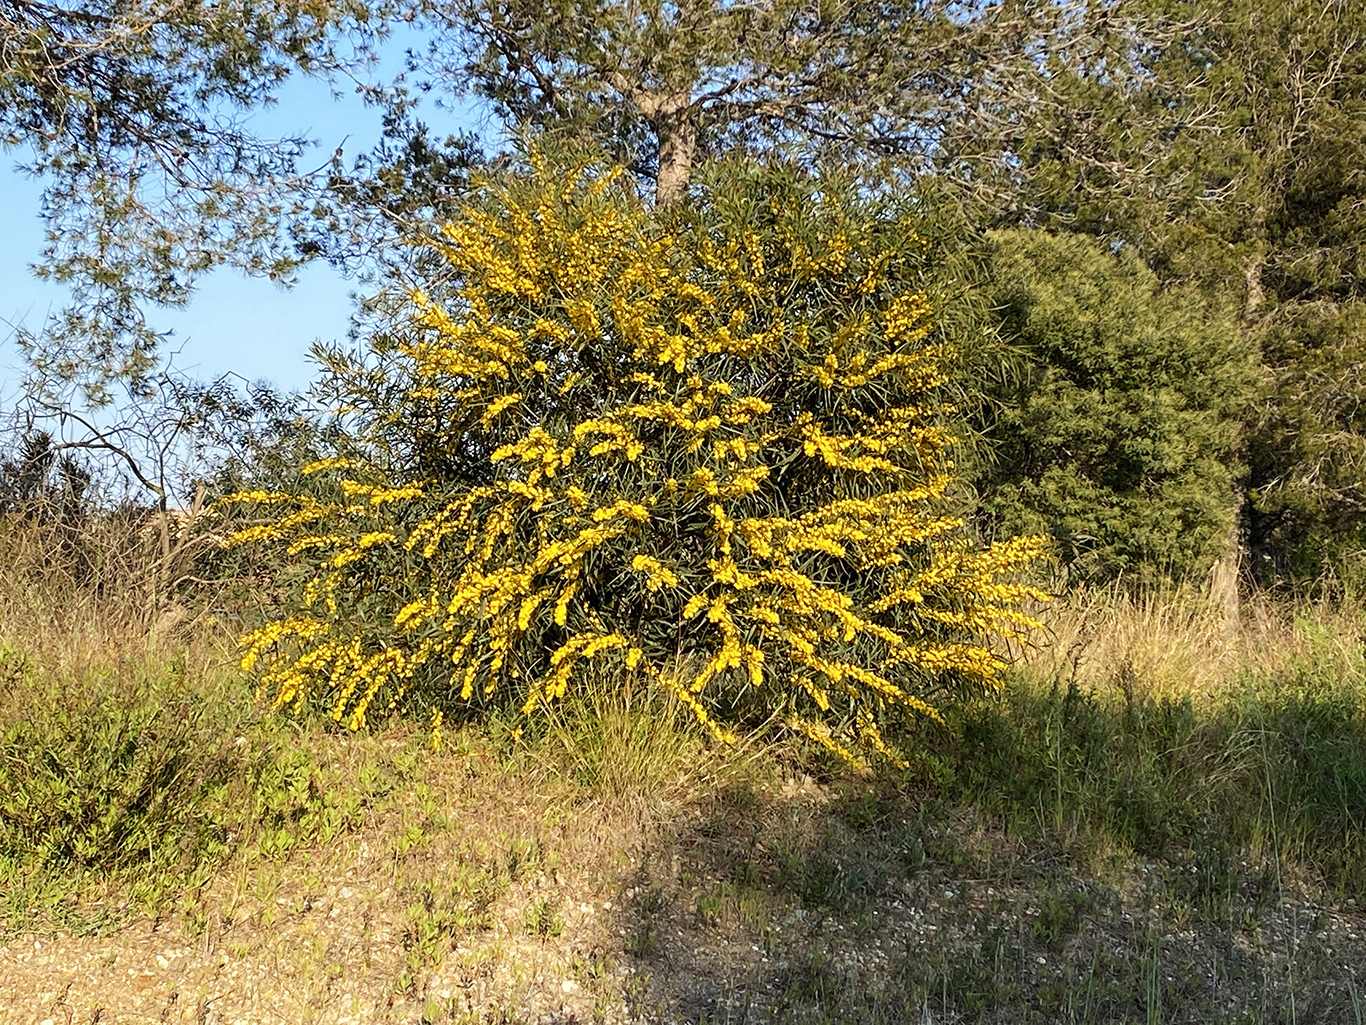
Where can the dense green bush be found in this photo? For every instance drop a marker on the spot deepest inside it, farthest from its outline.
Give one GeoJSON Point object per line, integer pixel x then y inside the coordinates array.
{"type": "Point", "coordinates": [1307, 442]}
{"type": "Point", "coordinates": [1109, 420]}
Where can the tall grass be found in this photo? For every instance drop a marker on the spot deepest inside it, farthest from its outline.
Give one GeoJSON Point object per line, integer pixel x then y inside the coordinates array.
{"type": "Point", "coordinates": [132, 756]}
{"type": "Point", "coordinates": [1169, 728]}
{"type": "Point", "coordinates": [110, 581]}
{"type": "Point", "coordinates": [1193, 641]}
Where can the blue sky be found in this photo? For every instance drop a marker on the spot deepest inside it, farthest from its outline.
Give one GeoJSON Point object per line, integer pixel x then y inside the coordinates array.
{"type": "Point", "coordinates": [234, 324]}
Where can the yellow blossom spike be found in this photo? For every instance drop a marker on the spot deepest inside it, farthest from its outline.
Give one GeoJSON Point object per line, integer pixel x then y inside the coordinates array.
{"type": "Point", "coordinates": [714, 455]}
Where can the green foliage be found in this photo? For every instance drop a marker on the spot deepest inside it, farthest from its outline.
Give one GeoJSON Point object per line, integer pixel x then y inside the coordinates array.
{"type": "Point", "coordinates": [37, 483]}
{"type": "Point", "coordinates": [884, 90]}
{"type": "Point", "coordinates": [94, 785]}
{"type": "Point", "coordinates": [706, 450]}
{"type": "Point", "coordinates": [128, 779]}
{"type": "Point", "coordinates": [1111, 423]}
{"type": "Point", "coordinates": [443, 910]}
{"type": "Point", "coordinates": [1059, 917]}
{"type": "Point", "coordinates": [1307, 442]}
{"type": "Point", "coordinates": [132, 114]}
{"type": "Point", "coordinates": [543, 920]}
{"type": "Point", "coordinates": [1252, 183]}
{"type": "Point", "coordinates": [101, 784]}
{"type": "Point", "coordinates": [623, 746]}
{"type": "Point", "coordinates": [1127, 153]}
{"type": "Point", "coordinates": [1254, 187]}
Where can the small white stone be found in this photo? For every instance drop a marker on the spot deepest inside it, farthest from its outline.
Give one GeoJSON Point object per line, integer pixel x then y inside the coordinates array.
{"type": "Point", "coordinates": [569, 986]}
{"type": "Point", "coordinates": [162, 962]}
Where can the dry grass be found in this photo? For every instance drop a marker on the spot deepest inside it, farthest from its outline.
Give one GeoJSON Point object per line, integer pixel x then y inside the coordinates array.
{"type": "Point", "coordinates": [1201, 642]}
{"type": "Point", "coordinates": [1067, 857]}
{"type": "Point", "coordinates": [120, 583]}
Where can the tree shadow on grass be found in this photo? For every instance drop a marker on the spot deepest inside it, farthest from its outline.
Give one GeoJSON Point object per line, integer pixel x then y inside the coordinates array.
{"type": "Point", "coordinates": [1062, 858]}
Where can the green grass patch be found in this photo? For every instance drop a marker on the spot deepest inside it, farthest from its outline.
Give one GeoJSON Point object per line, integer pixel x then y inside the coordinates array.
{"type": "Point", "coordinates": [125, 784]}
{"type": "Point", "coordinates": [1275, 767]}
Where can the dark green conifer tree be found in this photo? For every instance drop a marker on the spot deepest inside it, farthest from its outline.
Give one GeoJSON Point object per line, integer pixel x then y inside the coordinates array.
{"type": "Point", "coordinates": [1112, 424]}
{"type": "Point", "coordinates": [1254, 189]}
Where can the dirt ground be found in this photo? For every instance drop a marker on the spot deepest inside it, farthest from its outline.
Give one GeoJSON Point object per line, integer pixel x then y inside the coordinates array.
{"type": "Point", "coordinates": [778, 905]}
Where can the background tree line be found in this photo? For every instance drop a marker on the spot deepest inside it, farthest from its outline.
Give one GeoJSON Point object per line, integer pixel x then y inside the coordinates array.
{"type": "Point", "coordinates": [1146, 216]}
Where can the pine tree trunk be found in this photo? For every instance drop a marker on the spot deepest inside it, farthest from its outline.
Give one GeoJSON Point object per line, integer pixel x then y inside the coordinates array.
{"type": "Point", "coordinates": [677, 133]}
{"type": "Point", "coordinates": [1254, 293]}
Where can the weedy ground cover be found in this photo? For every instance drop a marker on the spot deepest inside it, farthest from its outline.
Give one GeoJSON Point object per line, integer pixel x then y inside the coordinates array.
{"type": "Point", "coordinates": [1276, 765]}
{"type": "Point", "coordinates": [1091, 845]}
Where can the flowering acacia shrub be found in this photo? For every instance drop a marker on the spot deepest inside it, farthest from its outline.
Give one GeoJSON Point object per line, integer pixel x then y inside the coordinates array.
{"type": "Point", "coordinates": [707, 452]}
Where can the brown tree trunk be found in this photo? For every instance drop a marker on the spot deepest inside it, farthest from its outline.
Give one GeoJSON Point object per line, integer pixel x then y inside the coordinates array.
{"type": "Point", "coordinates": [1254, 295]}
{"type": "Point", "coordinates": [1255, 292]}
{"type": "Point", "coordinates": [677, 133]}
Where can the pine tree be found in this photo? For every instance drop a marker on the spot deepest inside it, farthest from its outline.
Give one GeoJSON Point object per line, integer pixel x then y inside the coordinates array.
{"type": "Point", "coordinates": [897, 90]}
{"type": "Point", "coordinates": [1255, 191]}
{"type": "Point", "coordinates": [1114, 424]}
{"type": "Point", "coordinates": [134, 117]}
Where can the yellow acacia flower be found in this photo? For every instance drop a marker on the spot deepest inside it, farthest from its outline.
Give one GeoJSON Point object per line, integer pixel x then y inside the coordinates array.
{"type": "Point", "coordinates": [435, 742]}
{"type": "Point", "coordinates": [657, 575]}
{"type": "Point", "coordinates": [614, 412]}
{"type": "Point", "coordinates": [499, 405]}
{"type": "Point", "coordinates": [318, 466]}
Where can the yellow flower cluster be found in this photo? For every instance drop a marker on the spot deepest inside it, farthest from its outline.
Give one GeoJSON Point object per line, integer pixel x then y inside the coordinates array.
{"type": "Point", "coordinates": [674, 468]}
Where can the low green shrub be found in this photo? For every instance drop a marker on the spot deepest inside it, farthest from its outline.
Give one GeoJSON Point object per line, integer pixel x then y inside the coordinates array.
{"type": "Point", "coordinates": [135, 777]}
{"type": "Point", "coordinates": [98, 777]}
